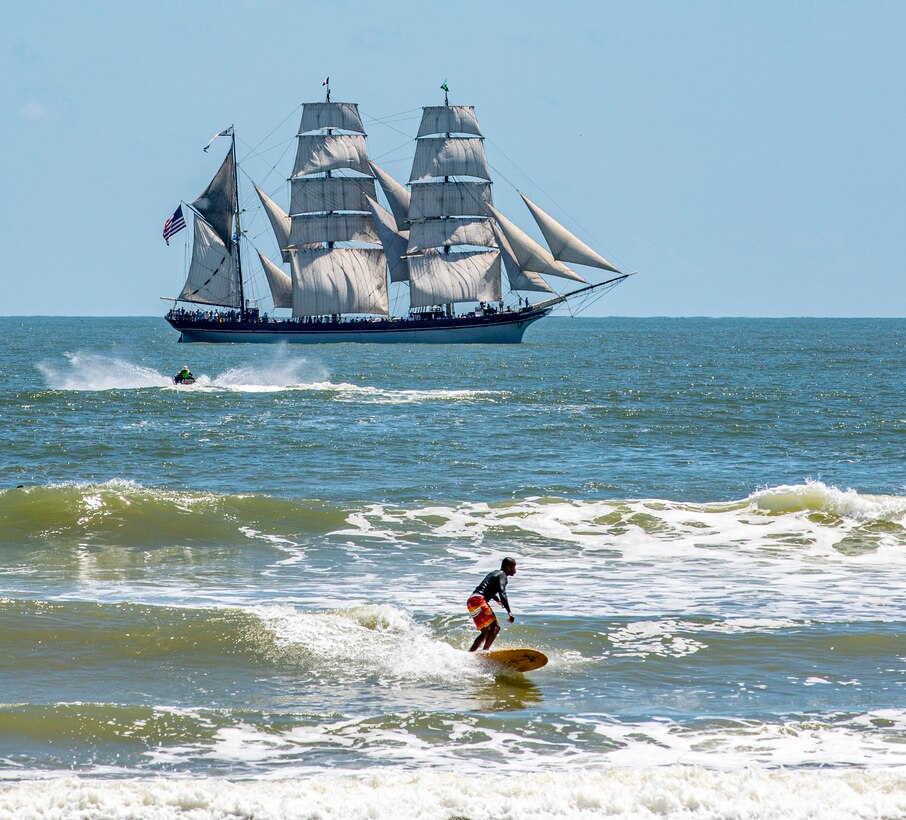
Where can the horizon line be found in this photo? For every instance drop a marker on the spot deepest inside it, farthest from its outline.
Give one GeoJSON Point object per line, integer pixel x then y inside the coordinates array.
{"type": "Point", "coordinates": [561, 316]}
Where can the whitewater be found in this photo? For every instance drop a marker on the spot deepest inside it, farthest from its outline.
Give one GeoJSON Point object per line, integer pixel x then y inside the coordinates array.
{"type": "Point", "coordinates": [247, 597]}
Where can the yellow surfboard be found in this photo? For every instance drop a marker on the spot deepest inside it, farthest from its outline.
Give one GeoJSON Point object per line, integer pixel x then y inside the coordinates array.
{"type": "Point", "coordinates": [520, 660]}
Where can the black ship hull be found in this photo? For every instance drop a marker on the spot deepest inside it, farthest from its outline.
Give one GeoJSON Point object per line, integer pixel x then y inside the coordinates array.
{"type": "Point", "coordinates": [504, 327]}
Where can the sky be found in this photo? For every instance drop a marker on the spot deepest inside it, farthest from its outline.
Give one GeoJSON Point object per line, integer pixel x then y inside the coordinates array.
{"type": "Point", "coordinates": [745, 158]}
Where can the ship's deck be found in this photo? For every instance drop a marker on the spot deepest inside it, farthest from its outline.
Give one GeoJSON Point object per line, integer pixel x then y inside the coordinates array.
{"type": "Point", "coordinates": [497, 326]}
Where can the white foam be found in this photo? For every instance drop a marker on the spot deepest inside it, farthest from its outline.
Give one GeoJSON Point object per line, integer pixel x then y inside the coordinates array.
{"type": "Point", "coordinates": [93, 371]}
{"type": "Point", "coordinates": [283, 371]}
{"type": "Point", "coordinates": [468, 743]}
{"type": "Point", "coordinates": [643, 638]}
{"type": "Point", "coordinates": [796, 552]}
{"type": "Point", "coordinates": [381, 641]}
{"type": "Point", "coordinates": [351, 392]}
{"type": "Point", "coordinates": [683, 792]}
{"type": "Point", "coordinates": [248, 380]}
{"type": "Point", "coordinates": [736, 744]}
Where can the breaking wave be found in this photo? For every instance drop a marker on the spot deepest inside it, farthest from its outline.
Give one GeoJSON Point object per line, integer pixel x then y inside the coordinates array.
{"type": "Point", "coordinates": [681, 791]}
{"type": "Point", "coordinates": [806, 515]}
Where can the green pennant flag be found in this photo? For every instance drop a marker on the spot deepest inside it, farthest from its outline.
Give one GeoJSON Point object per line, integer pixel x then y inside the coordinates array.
{"type": "Point", "coordinates": [444, 86]}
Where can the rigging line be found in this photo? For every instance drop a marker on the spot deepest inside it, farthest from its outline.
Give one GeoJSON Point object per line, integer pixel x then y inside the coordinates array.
{"type": "Point", "coordinates": [261, 154]}
{"type": "Point", "coordinates": [251, 198]}
{"type": "Point", "coordinates": [280, 125]}
{"type": "Point", "coordinates": [540, 188]}
{"type": "Point", "coordinates": [388, 120]}
{"type": "Point", "coordinates": [390, 116]}
{"type": "Point", "coordinates": [387, 124]}
{"type": "Point", "coordinates": [273, 167]}
{"type": "Point", "coordinates": [392, 151]}
{"type": "Point", "coordinates": [518, 168]}
{"type": "Point", "coordinates": [255, 277]}
{"type": "Point", "coordinates": [503, 176]}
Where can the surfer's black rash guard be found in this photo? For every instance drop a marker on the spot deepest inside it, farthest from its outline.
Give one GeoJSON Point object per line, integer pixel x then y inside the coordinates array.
{"type": "Point", "coordinates": [494, 586]}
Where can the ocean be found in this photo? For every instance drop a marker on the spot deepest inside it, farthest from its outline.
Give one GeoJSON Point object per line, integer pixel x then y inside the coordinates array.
{"type": "Point", "coordinates": [246, 598]}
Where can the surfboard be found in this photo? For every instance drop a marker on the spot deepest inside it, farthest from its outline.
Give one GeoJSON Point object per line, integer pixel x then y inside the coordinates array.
{"type": "Point", "coordinates": [521, 660]}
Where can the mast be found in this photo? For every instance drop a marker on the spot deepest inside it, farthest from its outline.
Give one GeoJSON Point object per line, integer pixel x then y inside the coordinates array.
{"type": "Point", "coordinates": [238, 227]}
{"type": "Point", "coordinates": [449, 305]}
{"type": "Point", "coordinates": [331, 218]}
{"type": "Point", "coordinates": [445, 212]}
{"type": "Point", "coordinates": [213, 276]}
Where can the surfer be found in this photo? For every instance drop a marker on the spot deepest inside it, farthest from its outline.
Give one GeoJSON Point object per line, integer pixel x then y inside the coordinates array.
{"type": "Point", "coordinates": [492, 588]}
{"type": "Point", "coordinates": [184, 376]}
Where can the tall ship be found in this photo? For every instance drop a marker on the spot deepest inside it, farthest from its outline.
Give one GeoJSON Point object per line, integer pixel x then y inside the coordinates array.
{"type": "Point", "coordinates": [440, 236]}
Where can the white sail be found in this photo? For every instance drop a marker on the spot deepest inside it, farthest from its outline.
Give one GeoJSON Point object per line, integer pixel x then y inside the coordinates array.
{"type": "Point", "coordinates": [438, 233]}
{"type": "Point", "coordinates": [339, 280]}
{"type": "Point", "coordinates": [317, 153]}
{"type": "Point", "coordinates": [330, 194]}
{"type": "Point", "coordinates": [393, 240]}
{"type": "Point", "coordinates": [447, 119]}
{"type": "Point", "coordinates": [441, 157]}
{"type": "Point", "coordinates": [212, 275]}
{"type": "Point", "coordinates": [344, 116]}
{"type": "Point", "coordinates": [280, 221]}
{"type": "Point", "coordinates": [439, 278]}
{"type": "Point", "coordinates": [519, 279]}
{"type": "Point", "coordinates": [564, 245]}
{"type": "Point", "coordinates": [280, 284]}
{"type": "Point", "coordinates": [449, 198]}
{"type": "Point", "coordinates": [217, 202]}
{"type": "Point", "coordinates": [396, 194]}
{"type": "Point", "coordinates": [337, 227]}
{"type": "Point", "coordinates": [529, 254]}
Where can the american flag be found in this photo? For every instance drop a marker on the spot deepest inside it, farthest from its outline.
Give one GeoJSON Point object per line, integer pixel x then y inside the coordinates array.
{"type": "Point", "coordinates": [174, 224]}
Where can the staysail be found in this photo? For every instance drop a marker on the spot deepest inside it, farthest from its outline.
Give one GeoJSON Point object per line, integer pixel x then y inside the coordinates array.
{"type": "Point", "coordinates": [564, 245]}
{"type": "Point", "coordinates": [279, 220]}
{"type": "Point", "coordinates": [396, 194]}
{"type": "Point", "coordinates": [394, 242]}
{"type": "Point", "coordinates": [280, 284]}
{"type": "Point", "coordinates": [528, 253]}
{"type": "Point", "coordinates": [519, 279]}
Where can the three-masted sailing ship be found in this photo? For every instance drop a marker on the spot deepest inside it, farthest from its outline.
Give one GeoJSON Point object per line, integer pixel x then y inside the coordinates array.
{"type": "Point", "coordinates": [442, 236]}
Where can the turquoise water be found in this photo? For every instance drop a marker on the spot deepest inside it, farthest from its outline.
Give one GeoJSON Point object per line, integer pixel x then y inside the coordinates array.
{"type": "Point", "coordinates": [254, 587]}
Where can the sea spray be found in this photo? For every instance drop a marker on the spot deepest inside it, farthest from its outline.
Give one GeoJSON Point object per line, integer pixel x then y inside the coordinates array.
{"type": "Point", "coordinates": [86, 370]}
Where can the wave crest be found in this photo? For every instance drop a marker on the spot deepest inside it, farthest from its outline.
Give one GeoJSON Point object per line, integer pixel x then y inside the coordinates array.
{"type": "Point", "coordinates": [814, 496]}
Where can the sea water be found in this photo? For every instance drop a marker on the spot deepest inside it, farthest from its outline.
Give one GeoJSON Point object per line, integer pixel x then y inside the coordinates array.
{"type": "Point", "coordinates": [247, 597]}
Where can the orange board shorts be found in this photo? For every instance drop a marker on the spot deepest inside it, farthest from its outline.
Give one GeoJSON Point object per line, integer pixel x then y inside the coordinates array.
{"type": "Point", "coordinates": [481, 612]}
